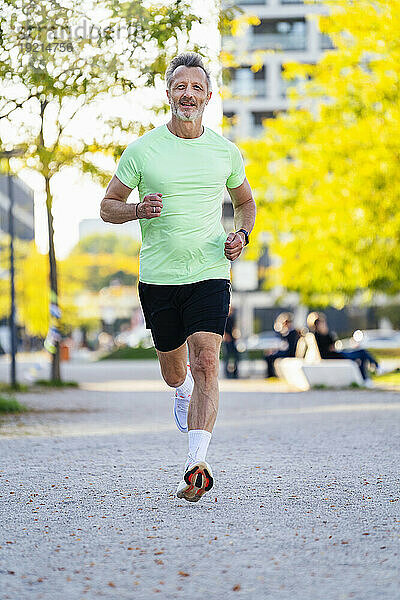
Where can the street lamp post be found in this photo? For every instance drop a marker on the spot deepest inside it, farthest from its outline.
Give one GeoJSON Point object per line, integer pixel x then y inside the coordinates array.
{"type": "Point", "coordinates": [9, 154]}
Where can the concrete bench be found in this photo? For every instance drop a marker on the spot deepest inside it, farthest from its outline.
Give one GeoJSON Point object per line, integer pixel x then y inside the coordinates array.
{"type": "Point", "coordinates": [304, 373]}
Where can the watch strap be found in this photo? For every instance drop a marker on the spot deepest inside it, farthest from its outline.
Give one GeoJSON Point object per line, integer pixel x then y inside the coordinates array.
{"type": "Point", "coordinates": [246, 235]}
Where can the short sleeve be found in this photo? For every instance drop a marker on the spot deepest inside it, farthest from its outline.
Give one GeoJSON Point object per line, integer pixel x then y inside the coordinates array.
{"type": "Point", "coordinates": [238, 174]}
{"type": "Point", "coordinates": [128, 170]}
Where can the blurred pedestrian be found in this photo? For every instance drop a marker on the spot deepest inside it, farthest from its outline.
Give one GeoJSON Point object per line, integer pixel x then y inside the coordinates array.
{"type": "Point", "coordinates": [231, 354]}
{"type": "Point", "coordinates": [289, 337]}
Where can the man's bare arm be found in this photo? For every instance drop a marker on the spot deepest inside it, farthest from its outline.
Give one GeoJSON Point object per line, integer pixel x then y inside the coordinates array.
{"type": "Point", "coordinates": [244, 207]}
{"type": "Point", "coordinates": [114, 209]}
{"type": "Point", "coordinates": [244, 210]}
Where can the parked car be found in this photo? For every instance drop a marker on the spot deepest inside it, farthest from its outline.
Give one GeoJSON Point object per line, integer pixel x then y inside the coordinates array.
{"type": "Point", "coordinates": [265, 340]}
{"type": "Point", "coordinates": [139, 336]}
{"type": "Point", "coordinates": [371, 338]}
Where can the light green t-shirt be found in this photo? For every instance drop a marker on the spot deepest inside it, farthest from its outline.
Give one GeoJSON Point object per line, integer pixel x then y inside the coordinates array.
{"type": "Point", "coordinates": [186, 243]}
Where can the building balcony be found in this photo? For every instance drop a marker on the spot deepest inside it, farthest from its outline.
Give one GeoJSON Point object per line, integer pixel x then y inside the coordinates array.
{"type": "Point", "coordinates": [277, 41]}
{"type": "Point", "coordinates": [254, 88]}
{"type": "Point", "coordinates": [279, 34]}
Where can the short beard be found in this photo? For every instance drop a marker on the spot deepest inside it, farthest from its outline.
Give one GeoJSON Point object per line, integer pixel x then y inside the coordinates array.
{"type": "Point", "coordinates": [176, 110]}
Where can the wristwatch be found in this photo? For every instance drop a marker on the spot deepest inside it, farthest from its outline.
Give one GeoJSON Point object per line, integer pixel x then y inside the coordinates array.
{"type": "Point", "coordinates": [246, 235]}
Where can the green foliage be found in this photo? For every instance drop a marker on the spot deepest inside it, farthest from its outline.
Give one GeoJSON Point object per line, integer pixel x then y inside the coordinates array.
{"type": "Point", "coordinates": [18, 387]}
{"type": "Point", "coordinates": [11, 405]}
{"type": "Point", "coordinates": [108, 243]}
{"type": "Point", "coordinates": [82, 271]}
{"type": "Point", "coordinates": [325, 174]}
{"type": "Point", "coordinates": [56, 60]}
{"type": "Point", "coordinates": [56, 383]}
{"type": "Point", "coordinates": [126, 353]}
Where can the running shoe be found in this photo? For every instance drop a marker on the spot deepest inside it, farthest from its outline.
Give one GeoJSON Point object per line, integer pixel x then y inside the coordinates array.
{"type": "Point", "coordinates": [197, 480]}
{"type": "Point", "coordinates": [181, 407]}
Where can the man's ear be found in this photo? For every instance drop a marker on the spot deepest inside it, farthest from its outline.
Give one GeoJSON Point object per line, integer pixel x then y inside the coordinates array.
{"type": "Point", "coordinates": [167, 92]}
{"type": "Point", "coordinates": [209, 97]}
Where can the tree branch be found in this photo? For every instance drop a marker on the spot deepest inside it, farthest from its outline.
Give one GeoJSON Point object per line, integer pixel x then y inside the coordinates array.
{"type": "Point", "coordinates": [17, 105]}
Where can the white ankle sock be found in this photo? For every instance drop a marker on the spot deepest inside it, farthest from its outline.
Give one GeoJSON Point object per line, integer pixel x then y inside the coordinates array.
{"type": "Point", "coordinates": [199, 440]}
{"type": "Point", "coordinates": [186, 388]}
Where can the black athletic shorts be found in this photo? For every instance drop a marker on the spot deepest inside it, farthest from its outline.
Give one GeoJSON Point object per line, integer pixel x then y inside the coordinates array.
{"type": "Point", "coordinates": [173, 312]}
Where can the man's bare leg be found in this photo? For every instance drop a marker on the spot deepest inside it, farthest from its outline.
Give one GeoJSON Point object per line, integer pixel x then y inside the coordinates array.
{"type": "Point", "coordinates": [173, 365]}
{"type": "Point", "coordinates": [204, 350]}
{"type": "Point", "coordinates": [175, 372]}
{"type": "Point", "coordinates": [204, 358]}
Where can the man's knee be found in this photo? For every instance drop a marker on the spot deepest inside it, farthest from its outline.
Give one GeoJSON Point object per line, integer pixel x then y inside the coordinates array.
{"type": "Point", "coordinates": [175, 376]}
{"type": "Point", "coordinates": [173, 379]}
{"type": "Point", "coordinates": [205, 363]}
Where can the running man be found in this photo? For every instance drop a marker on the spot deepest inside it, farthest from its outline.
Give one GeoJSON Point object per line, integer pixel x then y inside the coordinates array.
{"type": "Point", "coordinates": [181, 170]}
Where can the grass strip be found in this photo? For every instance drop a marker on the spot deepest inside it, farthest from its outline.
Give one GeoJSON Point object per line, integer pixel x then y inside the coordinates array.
{"type": "Point", "coordinates": [55, 383]}
{"type": "Point", "coordinates": [11, 405]}
{"type": "Point", "coordinates": [127, 353]}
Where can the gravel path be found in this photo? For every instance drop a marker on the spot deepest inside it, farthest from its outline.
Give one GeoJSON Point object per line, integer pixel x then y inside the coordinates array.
{"type": "Point", "coordinates": [305, 505]}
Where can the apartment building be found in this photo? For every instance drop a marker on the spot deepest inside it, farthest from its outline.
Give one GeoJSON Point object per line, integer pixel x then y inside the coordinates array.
{"type": "Point", "coordinates": [287, 28]}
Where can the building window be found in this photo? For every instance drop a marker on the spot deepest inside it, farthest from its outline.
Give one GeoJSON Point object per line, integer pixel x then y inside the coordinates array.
{"type": "Point", "coordinates": [229, 122]}
{"type": "Point", "coordinates": [248, 83]}
{"type": "Point", "coordinates": [259, 116]}
{"type": "Point", "coordinates": [260, 74]}
{"type": "Point", "coordinates": [259, 81]}
{"type": "Point", "coordinates": [280, 34]}
{"type": "Point", "coordinates": [326, 42]}
{"type": "Point", "coordinates": [229, 118]}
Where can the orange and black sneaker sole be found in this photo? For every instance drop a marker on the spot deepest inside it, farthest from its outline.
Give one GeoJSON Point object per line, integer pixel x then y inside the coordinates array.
{"type": "Point", "coordinates": [196, 482]}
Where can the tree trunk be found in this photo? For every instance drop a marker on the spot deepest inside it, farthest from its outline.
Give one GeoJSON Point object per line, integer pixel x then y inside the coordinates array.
{"type": "Point", "coordinates": [55, 364]}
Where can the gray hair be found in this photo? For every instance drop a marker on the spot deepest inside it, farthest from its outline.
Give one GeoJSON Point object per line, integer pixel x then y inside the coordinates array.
{"type": "Point", "coordinates": [186, 59]}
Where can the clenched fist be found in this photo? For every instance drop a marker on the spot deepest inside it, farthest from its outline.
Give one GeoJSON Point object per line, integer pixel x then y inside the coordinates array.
{"type": "Point", "coordinates": [150, 206]}
{"type": "Point", "coordinates": [234, 245]}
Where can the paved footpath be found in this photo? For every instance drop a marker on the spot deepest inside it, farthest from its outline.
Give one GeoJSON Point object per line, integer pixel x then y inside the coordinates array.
{"type": "Point", "coordinates": [306, 503]}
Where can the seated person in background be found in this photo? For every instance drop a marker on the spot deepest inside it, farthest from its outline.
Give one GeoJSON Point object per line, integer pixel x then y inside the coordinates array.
{"type": "Point", "coordinates": [289, 337]}
{"type": "Point", "coordinates": [325, 339]}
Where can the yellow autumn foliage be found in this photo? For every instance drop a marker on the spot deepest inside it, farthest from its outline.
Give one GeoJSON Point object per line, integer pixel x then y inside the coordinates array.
{"type": "Point", "coordinates": [325, 174]}
{"type": "Point", "coordinates": [77, 273]}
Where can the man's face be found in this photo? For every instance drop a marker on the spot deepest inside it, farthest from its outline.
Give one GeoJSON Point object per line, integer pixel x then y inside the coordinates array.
{"type": "Point", "coordinates": [188, 94]}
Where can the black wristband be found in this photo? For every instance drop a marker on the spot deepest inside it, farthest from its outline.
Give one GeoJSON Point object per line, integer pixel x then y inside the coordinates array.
{"type": "Point", "coordinates": [246, 235]}
{"type": "Point", "coordinates": [136, 209]}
